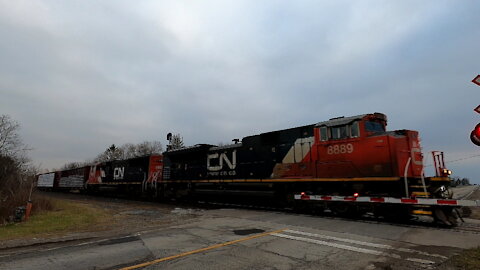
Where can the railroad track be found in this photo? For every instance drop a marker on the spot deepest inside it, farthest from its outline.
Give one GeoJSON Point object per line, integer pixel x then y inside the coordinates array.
{"type": "Point", "coordinates": [425, 223]}
{"type": "Point", "coordinates": [468, 228]}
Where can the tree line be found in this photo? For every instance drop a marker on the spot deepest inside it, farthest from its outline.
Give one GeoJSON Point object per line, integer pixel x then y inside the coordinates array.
{"type": "Point", "coordinates": [17, 174]}
{"type": "Point", "coordinates": [457, 181]}
{"type": "Point", "coordinates": [129, 150]}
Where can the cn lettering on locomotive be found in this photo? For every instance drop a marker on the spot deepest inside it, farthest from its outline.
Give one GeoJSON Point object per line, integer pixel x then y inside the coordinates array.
{"type": "Point", "coordinates": [219, 159]}
{"type": "Point", "coordinates": [118, 173]}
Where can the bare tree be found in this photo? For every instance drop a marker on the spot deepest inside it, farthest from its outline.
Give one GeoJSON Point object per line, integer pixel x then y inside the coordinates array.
{"type": "Point", "coordinates": [176, 142]}
{"type": "Point", "coordinates": [149, 148]}
{"type": "Point", "coordinates": [72, 165]}
{"type": "Point", "coordinates": [10, 142]}
{"type": "Point", "coordinates": [11, 145]}
{"type": "Point", "coordinates": [111, 153]}
{"type": "Point", "coordinates": [129, 150]}
{"type": "Point", "coordinates": [15, 171]}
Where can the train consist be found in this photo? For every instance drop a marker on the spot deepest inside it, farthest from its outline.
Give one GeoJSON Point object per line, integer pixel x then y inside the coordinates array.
{"type": "Point", "coordinates": [348, 157]}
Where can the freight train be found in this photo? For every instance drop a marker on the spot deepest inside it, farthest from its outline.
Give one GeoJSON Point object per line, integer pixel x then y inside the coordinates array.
{"type": "Point", "coordinates": [348, 157]}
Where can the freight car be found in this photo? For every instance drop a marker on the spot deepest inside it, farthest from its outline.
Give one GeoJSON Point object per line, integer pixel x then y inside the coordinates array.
{"type": "Point", "coordinates": [344, 157]}
{"type": "Point", "coordinates": [137, 175]}
{"type": "Point", "coordinates": [46, 181]}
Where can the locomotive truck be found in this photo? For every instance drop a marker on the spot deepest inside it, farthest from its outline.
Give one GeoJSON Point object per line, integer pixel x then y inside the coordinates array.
{"type": "Point", "coordinates": [350, 165]}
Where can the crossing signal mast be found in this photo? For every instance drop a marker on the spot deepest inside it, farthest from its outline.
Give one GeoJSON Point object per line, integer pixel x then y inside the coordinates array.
{"type": "Point", "coordinates": [475, 134]}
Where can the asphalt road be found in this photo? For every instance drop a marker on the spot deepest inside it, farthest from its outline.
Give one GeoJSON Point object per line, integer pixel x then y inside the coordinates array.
{"type": "Point", "coordinates": [253, 239]}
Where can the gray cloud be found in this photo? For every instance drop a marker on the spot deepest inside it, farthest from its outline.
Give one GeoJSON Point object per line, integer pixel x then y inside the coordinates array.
{"type": "Point", "coordinates": [80, 76]}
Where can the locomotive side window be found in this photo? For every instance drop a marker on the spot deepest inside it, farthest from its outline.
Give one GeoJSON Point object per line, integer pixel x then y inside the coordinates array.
{"type": "Point", "coordinates": [374, 127]}
{"type": "Point", "coordinates": [354, 130]}
{"type": "Point", "coordinates": [339, 132]}
{"type": "Point", "coordinates": [323, 134]}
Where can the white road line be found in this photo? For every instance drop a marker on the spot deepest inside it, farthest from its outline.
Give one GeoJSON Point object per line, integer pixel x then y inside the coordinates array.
{"type": "Point", "coordinates": [419, 261]}
{"type": "Point", "coordinates": [368, 244]}
{"type": "Point", "coordinates": [350, 248]}
{"type": "Point", "coordinates": [320, 242]}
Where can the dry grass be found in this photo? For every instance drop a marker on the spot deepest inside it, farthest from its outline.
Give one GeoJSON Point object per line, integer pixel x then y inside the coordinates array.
{"type": "Point", "coordinates": [467, 260]}
{"type": "Point", "coordinates": [64, 216]}
{"type": "Point", "coordinates": [41, 204]}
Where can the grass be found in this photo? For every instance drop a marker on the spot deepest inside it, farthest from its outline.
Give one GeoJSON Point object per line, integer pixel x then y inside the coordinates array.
{"type": "Point", "coordinates": [66, 216]}
{"type": "Point", "coordinates": [467, 260]}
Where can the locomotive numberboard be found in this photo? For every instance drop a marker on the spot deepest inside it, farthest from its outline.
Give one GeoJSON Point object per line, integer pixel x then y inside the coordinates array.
{"type": "Point", "coordinates": [340, 149]}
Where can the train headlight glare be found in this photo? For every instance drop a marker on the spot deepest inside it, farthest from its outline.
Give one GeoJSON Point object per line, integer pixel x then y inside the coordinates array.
{"type": "Point", "coordinates": [447, 172]}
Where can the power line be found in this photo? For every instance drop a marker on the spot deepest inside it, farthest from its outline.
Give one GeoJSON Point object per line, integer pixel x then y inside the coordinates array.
{"type": "Point", "coordinates": [456, 160]}
{"type": "Point", "coordinates": [462, 158]}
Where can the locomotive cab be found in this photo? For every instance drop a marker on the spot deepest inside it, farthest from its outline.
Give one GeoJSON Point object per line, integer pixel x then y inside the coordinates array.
{"type": "Point", "coordinates": [360, 146]}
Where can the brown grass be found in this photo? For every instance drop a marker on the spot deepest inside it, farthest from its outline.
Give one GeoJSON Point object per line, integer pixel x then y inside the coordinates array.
{"type": "Point", "coordinates": [41, 204]}
{"type": "Point", "coordinates": [16, 187]}
{"type": "Point", "coordinates": [467, 260]}
{"type": "Point", "coordinates": [64, 217]}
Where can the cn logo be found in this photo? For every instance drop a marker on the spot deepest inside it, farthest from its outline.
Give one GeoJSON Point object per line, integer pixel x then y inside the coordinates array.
{"type": "Point", "coordinates": [222, 157]}
{"type": "Point", "coordinates": [118, 173]}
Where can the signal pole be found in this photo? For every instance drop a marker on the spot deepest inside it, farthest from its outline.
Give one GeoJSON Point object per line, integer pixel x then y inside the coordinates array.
{"type": "Point", "coordinates": [475, 134]}
{"type": "Point", "coordinates": [476, 80]}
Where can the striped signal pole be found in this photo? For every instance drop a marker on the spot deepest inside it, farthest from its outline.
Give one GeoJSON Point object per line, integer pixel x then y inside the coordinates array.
{"type": "Point", "coordinates": [475, 134]}
{"type": "Point", "coordinates": [476, 80]}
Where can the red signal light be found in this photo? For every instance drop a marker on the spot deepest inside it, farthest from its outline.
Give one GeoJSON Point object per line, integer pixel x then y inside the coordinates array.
{"type": "Point", "coordinates": [475, 135]}
{"type": "Point", "coordinates": [477, 131]}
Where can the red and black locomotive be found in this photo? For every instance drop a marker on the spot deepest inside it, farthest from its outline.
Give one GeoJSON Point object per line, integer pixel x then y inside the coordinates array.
{"type": "Point", "coordinates": [342, 156]}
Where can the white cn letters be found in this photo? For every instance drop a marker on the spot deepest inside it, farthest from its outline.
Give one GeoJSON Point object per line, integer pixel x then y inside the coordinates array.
{"type": "Point", "coordinates": [222, 157]}
{"type": "Point", "coordinates": [118, 173]}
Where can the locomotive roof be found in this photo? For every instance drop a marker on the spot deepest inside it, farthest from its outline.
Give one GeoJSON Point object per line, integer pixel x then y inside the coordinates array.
{"type": "Point", "coordinates": [340, 121]}
{"type": "Point", "coordinates": [228, 146]}
{"type": "Point", "coordinates": [282, 130]}
{"type": "Point", "coordinates": [332, 122]}
{"type": "Point", "coordinates": [193, 148]}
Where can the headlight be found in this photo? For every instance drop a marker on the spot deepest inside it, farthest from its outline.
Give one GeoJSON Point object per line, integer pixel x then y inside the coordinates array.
{"type": "Point", "coordinates": [446, 172]}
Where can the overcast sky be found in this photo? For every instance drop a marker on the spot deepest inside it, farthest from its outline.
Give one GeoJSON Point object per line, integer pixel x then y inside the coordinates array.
{"type": "Point", "coordinates": [81, 75]}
